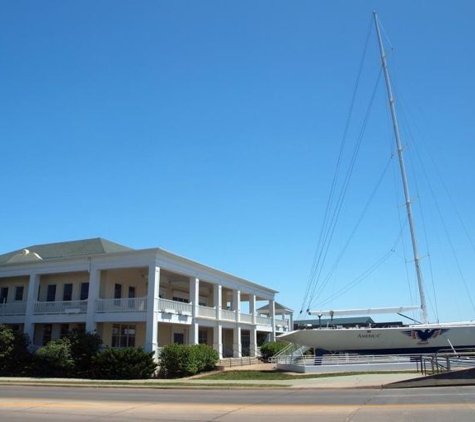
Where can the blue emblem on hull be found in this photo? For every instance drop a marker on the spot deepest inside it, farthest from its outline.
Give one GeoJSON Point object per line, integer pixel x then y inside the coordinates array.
{"type": "Point", "coordinates": [425, 335]}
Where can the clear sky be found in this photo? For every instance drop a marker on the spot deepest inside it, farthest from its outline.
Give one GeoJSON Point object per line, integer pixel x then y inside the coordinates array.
{"type": "Point", "coordinates": [211, 129]}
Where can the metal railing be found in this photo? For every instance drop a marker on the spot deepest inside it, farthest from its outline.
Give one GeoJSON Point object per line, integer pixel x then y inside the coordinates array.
{"type": "Point", "coordinates": [292, 353]}
{"type": "Point", "coordinates": [445, 361]}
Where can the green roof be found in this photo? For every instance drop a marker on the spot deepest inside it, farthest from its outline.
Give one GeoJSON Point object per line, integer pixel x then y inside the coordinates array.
{"type": "Point", "coordinates": [69, 249]}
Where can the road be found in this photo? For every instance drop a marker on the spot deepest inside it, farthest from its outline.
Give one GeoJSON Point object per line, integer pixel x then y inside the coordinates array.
{"type": "Point", "coordinates": [25, 403]}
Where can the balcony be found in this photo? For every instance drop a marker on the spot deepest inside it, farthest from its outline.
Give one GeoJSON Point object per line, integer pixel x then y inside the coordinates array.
{"type": "Point", "coordinates": [266, 322]}
{"type": "Point", "coordinates": [60, 308]}
{"type": "Point", "coordinates": [173, 307]}
{"type": "Point", "coordinates": [12, 309]}
{"type": "Point", "coordinates": [206, 312]}
{"type": "Point", "coordinates": [136, 304]}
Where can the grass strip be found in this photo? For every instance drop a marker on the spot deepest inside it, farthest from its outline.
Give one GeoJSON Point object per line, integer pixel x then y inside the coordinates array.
{"type": "Point", "coordinates": [240, 375]}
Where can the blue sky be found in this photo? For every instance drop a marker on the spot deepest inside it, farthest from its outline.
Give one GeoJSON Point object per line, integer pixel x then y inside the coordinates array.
{"type": "Point", "coordinates": [211, 129]}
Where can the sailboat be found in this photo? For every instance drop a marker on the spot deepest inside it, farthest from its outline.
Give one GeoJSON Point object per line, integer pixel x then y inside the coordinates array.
{"type": "Point", "coordinates": [414, 338]}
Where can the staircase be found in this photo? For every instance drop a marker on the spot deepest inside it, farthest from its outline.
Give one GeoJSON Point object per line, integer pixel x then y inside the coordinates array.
{"type": "Point", "coordinates": [291, 354]}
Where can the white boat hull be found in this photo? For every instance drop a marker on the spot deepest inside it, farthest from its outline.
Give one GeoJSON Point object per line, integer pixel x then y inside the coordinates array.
{"type": "Point", "coordinates": [421, 338]}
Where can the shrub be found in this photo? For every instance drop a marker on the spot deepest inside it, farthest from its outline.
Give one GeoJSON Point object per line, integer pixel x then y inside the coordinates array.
{"type": "Point", "coordinates": [55, 359]}
{"type": "Point", "coordinates": [270, 349]}
{"type": "Point", "coordinates": [178, 360]}
{"type": "Point", "coordinates": [127, 363]}
{"type": "Point", "coordinates": [83, 346]}
{"type": "Point", "coordinates": [14, 356]}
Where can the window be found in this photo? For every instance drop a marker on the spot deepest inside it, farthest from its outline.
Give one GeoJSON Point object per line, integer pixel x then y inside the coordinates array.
{"type": "Point", "coordinates": [19, 292]}
{"type": "Point", "coordinates": [64, 330]}
{"type": "Point", "coordinates": [47, 330]}
{"type": "Point", "coordinates": [3, 294]}
{"type": "Point", "coordinates": [68, 292]}
{"type": "Point", "coordinates": [51, 293]}
{"type": "Point", "coordinates": [123, 335]}
{"type": "Point", "coordinates": [202, 337]}
{"type": "Point", "coordinates": [84, 291]}
{"type": "Point", "coordinates": [180, 299]}
{"type": "Point", "coordinates": [179, 338]}
{"type": "Point", "coordinates": [117, 293]}
{"type": "Point", "coordinates": [131, 296]}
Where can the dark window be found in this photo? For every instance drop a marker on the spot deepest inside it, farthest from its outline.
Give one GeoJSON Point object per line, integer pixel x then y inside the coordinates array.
{"type": "Point", "coordinates": [3, 294]}
{"type": "Point", "coordinates": [117, 294]}
{"type": "Point", "coordinates": [179, 338]}
{"type": "Point", "coordinates": [180, 299]}
{"type": "Point", "coordinates": [64, 330]}
{"type": "Point", "coordinates": [51, 293]}
{"type": "Point", "coordinates": [131, 296]}
{"type": "Point", "coordinates": [202, 337]}
{"type": "Point", "coordinates": [117, 291]}
{"type": "Point", "coordinates": [68, 292]}
{"type": "Point", "coordinates": [47, 330]}
{"type": "Point", "coordinates": [19, 292]}
{"type": "Point", "coordinates": [84, 291]}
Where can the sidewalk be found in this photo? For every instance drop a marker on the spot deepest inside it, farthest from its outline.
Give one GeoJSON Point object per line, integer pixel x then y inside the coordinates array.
{"type": "Point", "coordinates": [369, 380]}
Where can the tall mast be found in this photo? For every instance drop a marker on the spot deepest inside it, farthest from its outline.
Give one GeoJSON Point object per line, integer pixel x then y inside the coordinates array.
{"type": "Point", "coordinates": [403, 172]}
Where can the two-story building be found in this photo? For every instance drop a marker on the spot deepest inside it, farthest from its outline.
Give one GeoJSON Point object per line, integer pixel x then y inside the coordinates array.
{"type": "Point", "coordinates": [143, 298]}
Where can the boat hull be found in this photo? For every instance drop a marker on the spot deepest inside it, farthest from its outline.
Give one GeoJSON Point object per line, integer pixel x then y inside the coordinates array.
{"type": "Point", "coordinates": [413, 339]}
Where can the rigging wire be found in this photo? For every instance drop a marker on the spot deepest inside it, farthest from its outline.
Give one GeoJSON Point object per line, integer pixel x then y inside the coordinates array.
{"type": "Point", "coordinates": [366, 273]}
{"type": "Point", "coordinates": [323, 237]}
{"type": "Point", "coordinates": [442, 220]}
{"type": "Point", "coordinates": [341, 199]}
{"type": "Point", "coordinates": [353, 232]}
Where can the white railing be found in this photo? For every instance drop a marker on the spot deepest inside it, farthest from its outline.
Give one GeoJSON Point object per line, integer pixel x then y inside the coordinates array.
{"type": "Point", "coordinates": [62, 307]}
{"type": "Point", "coordinates": [18, 308]}
{"type": "Point", "coordinates": [228, 315]}
{"type": "Point", "coordinates": [206, 312]}
{"type": "Point", "coordinates": [136, 304]}
{"type": "Point", "coordinates": [171, 306]}
{"type": "Point", "coordinates": [263, 321]}
{"type": "Point", "coordinates": [245, 318]}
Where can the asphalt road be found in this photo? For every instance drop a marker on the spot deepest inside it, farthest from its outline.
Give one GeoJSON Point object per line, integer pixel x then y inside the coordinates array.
{"type": "Point", "coordinates": [39, 403]}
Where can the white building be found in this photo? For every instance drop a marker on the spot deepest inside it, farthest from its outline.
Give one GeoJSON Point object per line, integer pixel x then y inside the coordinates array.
{"type": "Point", "coordinates": [144, 298]}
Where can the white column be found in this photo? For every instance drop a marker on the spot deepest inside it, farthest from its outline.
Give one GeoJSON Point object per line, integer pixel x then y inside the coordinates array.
{"type": "Point", "coordinates": [218, 300]}
{"type": "Point", "coordinates": [194, 298]}
{"type": "Point", "coordinates": [92, 297]}
{"type": "Point", "coordinates": [272, 317]}
{"type": "Point", "coordinates": [237, 343]}
{"type": "Point", "coordinates": [218, 339]}
{"type": "Point", "coordinates": [151, 333]}
{"type": "Point", "coordinates": [32, 297]}
{"type": "Point", "coordinates": [237, 304]}
{"type": "Point", "coordinates": [252, 308]}
{"type": "Point", "coordinates": [253, 342]}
